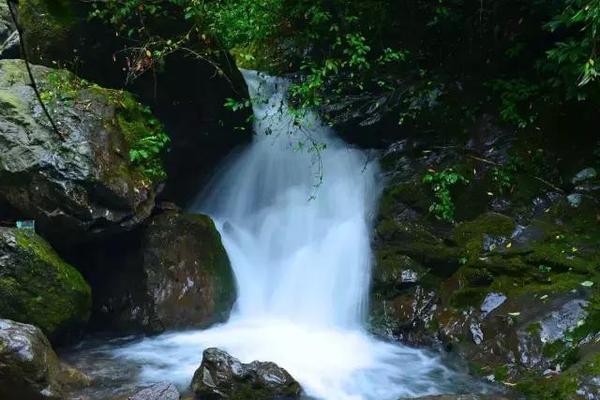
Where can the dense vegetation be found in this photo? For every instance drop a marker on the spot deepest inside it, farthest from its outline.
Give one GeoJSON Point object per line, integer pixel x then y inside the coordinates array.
{"type": "Point", "coordinates": [422, 55]}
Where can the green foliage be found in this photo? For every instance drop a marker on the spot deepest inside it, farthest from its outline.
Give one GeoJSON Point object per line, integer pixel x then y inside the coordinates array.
{"type": "Point", "coordinates": [441, 182]}
{"type": "Point", "coordinates": [145, 136]}
{"type": "Point", "coordinates": [60, 87]}
{"type": "Point", "coordinates": [516, 101]}
{"type": "Point", "coordinates": [504, 175]}
{"type": "Point", "coordinates": [575, 57]}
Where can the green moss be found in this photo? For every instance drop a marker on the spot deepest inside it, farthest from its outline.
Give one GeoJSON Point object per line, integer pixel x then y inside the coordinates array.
{"type": "Point", "coordinates": [501, 373]}
{"type": "Point", "coordinates": [39, 288]}
{"type": "Point", "coordinates": [60, 87]}
{"type": "Point", "coordinates": [470, 235]}
{"type": "Point", "coordinates": [12, 71]}
{"type": "Point", "coordinates": [534, 329]}
{"type": "Point", "coordinates": [219, 265]}
{"type": "Point", "coordinates": [562, 387]}
{"type": "Point", "coordinates": [591, 325]}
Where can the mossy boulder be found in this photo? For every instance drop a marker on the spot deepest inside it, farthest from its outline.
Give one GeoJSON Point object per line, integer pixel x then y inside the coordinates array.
{"type": "Point", "coordinates": [180, 278]}
{"type": "Point", "coordinates": [37, 287]}
{"type": "Point", "coordinates": [29, 368]}
{"type": "Point", "coordinates": [79, 182]}
{"type": "Point", "coordinates": [512, 287]}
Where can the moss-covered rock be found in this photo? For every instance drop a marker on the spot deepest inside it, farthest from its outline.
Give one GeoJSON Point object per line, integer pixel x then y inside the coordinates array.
{"type": "Point", "coordinates": [512, 288]}
{"type": "Point", "coordinates": [84, 183]}
{"type": "Point", "coordinates": [180, 277]}
{"type": "Point", "coordinates": [37, 287]}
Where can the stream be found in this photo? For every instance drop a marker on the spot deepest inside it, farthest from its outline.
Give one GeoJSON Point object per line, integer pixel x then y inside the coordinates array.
{"type": "Point", "coordinates": [295, 210]}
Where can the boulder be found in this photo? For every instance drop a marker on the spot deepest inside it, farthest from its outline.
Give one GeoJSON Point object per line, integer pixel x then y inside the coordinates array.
{"type": "Point", "coordinates": [29, 368]}
{"type": "Point", "coordinates": [222, 376]}
{"type": "Point", "coordinates": [180, 277]}
{"type": "Point", "coordinates": [86, 183]}
{"type": "Point", "coordinates": [158, 391]}
{"type": "Point", "coordinates": [9, 37]}
{"type": "Point", "coordinates": [37, 287]}
{"type": "Point", "coordinates": [187, 94]}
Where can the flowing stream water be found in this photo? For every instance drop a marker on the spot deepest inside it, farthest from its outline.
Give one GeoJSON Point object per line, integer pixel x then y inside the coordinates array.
{"type": "Point", "coordinates": [300, 249]}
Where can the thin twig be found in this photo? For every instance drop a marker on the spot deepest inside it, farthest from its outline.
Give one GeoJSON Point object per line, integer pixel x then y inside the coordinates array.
{"type": "Point", "coordinates": [537, 178]}
{"type": "Point", "coordinates": [29, 72]}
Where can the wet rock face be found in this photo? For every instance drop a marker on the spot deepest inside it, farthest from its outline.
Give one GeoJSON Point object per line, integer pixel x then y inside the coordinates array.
{"type": "Point", "coordinates": [159, 391]}
{"type": "Point", "coordinates": [29, 368]}
{"type": "Point", "coordinates": [57, 32]}
{"type": "Point", "coordinates": [81, 186]}
{"type": "Point", "coordinates": [9, 39]}
{"type": "Point", "coordinates": [222, 376]}
{"type": "Point", "coordinates": [512, 285]}
{"type": "Point", "coordinates": [180, 278]}
{"type": "Point", "coordinates": [38, 287]}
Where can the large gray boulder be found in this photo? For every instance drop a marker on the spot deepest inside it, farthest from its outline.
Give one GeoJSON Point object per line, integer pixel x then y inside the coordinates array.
{"type": "Point", "coordinates": [29, 368]}
{"type": "Point", "coordinates": [222, 376]}
{"type": "Point", "coordinates": [85, 184]}
{"type": "Point", "coordinates": [37, 287]}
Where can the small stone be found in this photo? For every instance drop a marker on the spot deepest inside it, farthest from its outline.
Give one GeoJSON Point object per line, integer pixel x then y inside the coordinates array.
{"type": "Point", "coordinates": [575, 199]}
{"type": "Point", "coordinates": [491, 302]}
{"type": "Point", "coordinates": [584, 175]}
{"type": "Point", "coordinates": [476, 332]}
{"type": "Point", "coordinates": [556, 325]}
{"type": "Point", "coordinates": [409, 276]}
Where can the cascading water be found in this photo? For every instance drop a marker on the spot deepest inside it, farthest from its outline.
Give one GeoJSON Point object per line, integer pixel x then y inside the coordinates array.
{"type": "Point", "coordinates": [301, 257]}
{"type": "Point", "coordinates": [295, 258]}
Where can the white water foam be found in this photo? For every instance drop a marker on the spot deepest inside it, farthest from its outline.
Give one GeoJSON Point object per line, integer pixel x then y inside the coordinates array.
{"type": "Point", "coordinates": [302, 266]}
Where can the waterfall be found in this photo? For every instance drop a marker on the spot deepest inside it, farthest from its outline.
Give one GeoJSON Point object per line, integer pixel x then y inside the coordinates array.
{"type": "Point", "coordinates": [300, 249]}
{"type": "Point", "coordinates": [299, 246]}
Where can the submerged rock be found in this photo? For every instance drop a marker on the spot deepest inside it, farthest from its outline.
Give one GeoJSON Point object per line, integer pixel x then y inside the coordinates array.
{"type": "Point", "coordinates": [29, 368]}
{"type": "Point", "coordinates": [180, 277]}
{"type": "Point", "coordinates": [37, 287]}
{"type": "Point", "coordinates": [86, 183]}
{"type": "Point", "coordinates": [222, 376]}
{"type": "Point", "coordinates": [158, 391]}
